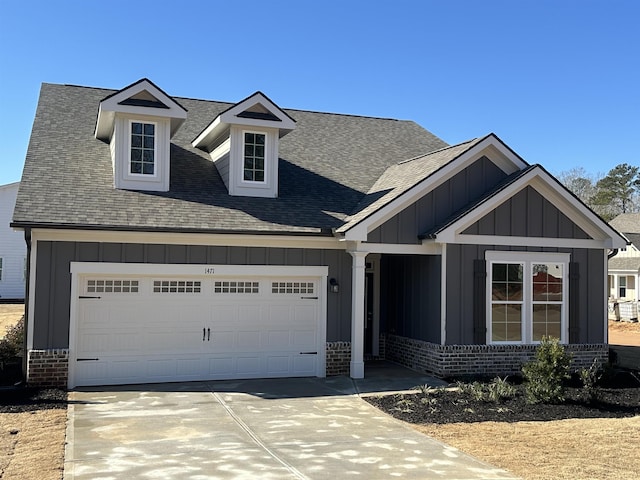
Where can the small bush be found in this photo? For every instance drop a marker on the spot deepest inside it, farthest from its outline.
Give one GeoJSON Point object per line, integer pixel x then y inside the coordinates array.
{"type": "Point", "coordinates": [590, 378]}
{"type": "Point", "coordinates": [11, 345]}
{"type": "Point", "coordinates": [546, 374]}
{"type": "Point", "coordinates": [499, 390]}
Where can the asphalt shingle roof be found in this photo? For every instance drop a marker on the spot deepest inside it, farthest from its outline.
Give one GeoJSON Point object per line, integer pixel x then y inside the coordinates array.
{"type": "Point", "coordinates": [624, 263]}
{"type": "Point", "coordinates": [327, 165]}
{"type": "Point", "coordinates": [626, 223]}
{"type": "Point", "coordinates": [401, 177]}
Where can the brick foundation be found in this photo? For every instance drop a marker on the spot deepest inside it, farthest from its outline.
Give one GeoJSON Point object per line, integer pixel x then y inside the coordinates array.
{"type": "Point", "coordinates": [338, 358]}
{"type": "Point", "coordinates": [452, 360]}
{"type": "Point", "coordinates": [48, 368]}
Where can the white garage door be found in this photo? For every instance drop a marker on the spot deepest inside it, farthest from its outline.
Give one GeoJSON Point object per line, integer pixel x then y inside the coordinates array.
{"type": "Point", "coordinates": [142, 329]}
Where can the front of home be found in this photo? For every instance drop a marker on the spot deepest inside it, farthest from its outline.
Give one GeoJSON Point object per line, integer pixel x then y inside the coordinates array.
{"type": "Point", "coordinates": [180, 239]}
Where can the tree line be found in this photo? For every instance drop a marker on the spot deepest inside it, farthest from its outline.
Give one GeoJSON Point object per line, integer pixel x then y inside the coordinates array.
{"type": "Point", "coordinates": [608, 195]}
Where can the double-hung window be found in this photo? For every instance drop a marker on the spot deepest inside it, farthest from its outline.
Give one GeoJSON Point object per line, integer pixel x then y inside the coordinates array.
{"type": "Point", "coordinates": [622, 286]}
{"type": "Point", "coordinates": [142, 149]}
{"type": "Point", "coordinates": [254, 157]}
{"type": "Point", "coordinates": [527, 296]}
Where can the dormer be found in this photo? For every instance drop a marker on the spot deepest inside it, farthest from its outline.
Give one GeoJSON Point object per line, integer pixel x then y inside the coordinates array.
{"type": "Point", "coordinates": [138, 123]}
{"type": "Point", "coordinates": [243, 144]}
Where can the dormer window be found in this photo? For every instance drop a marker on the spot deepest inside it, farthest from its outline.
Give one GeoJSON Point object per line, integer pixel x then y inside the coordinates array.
{"type": "Point", "coordinates": [254, 155]}
{"type": "Point", "coordinates": [243, 143]}
{"type": "Point", "coordinates": [138, 123]}
{"type": "Point", "coordinates": [143, 148]}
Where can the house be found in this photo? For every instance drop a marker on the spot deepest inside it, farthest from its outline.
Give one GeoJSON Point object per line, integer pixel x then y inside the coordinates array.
{"type": "Point", "coordinates": [624, 270]}
{"type": "Point", "coordinates": [13, 251]}
{"type": "Point", "coordinates": [175, 239]}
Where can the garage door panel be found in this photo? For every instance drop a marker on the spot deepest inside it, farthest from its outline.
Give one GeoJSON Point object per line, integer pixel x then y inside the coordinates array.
{"type": "Point", "coordinates": [155, 336]}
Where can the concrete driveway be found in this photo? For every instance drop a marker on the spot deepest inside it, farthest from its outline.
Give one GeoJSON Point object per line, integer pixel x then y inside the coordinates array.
{"type": "Point", "coordinates": [253, 429]}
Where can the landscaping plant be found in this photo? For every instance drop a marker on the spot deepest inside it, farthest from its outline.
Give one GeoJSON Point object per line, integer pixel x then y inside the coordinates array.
{"type": "Point", "coordinates": [546, 374]}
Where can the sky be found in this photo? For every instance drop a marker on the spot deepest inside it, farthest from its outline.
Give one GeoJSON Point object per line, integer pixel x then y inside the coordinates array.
{"type": "Point", "coordinates": [558, 81]}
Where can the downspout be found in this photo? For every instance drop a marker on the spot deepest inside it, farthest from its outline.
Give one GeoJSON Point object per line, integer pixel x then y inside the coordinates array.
{"type": "Point", "coordinates": [612, 253]}
{"type": "Point", "coordinates": [27, 239]}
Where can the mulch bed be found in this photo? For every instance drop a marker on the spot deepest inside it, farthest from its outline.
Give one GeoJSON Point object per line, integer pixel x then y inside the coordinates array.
{"type": "Point", "coordinates": [23, 399]}
{"type": "Point", "coordinates": [617, 399]}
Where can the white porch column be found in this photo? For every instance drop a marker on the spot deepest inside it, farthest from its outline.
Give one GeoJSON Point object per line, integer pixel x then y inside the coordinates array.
{"type": "Point", "coordinates": [357, 314]}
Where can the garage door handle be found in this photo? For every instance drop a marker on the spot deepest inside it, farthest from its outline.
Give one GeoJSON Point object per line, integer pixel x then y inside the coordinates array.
{"type": "Point", "coordinates": [208, 334]}
{"type": "Point", "coordinates": [87, 359]}
{"type": "Point", "coordinates": [204, 332]}
{"type": "Point", "coordinates": [309, 298]}
{"type": "Point", "coordinates": [308, 353]}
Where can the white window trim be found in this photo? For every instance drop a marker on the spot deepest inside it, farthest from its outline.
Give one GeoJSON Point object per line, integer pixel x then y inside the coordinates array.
{"type": "Point", "coordinates": [139, 176]}
{"type": "Point", "coordinates": [254, 183]}
{"type": "Point", "coordinates": [527, 259]}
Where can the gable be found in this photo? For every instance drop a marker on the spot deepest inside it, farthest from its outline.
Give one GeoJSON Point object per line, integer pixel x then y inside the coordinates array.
{"type": "Point", "coordinates": [527, 214]}
{"type": "Point", "coordinates": [439, 204]}
{"type": "Point", "coordinates": [406, 182]}
{"type": "Point", "coordinates": [531, 209]}
{"type": "Point", "coordinates": [142, 98]}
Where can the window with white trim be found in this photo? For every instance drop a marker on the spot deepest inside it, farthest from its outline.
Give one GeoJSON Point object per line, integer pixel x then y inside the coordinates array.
{"type": "Point", "coordinates": [527, 296]}
{"type": "Point", "coordinates": [622, 286]}
{"type": "Point", "coordinates": [142, 151]}
{"type": "Point", "coordinates": [254, 157]}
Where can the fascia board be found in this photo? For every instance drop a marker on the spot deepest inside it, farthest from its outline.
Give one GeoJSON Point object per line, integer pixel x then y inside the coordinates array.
{"type": "Point", "coordinates": [111, 104]}
{"type": "Point", "coordinates": [231, 115]}
{"type": "Point", "coordinates": [530, 241]}
{"type": "Point", "coordinates": [212, 131]}
{"type": "Point", "coordinates": [542, 182]}
{"type": "Point", "coordinates": [508, 162]}
{"type": "Point", "coordinates": [170, 238]}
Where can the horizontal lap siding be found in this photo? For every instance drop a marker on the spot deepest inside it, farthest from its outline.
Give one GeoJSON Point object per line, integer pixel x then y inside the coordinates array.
{"type": "Point", "coordinates": [460, 279]}
{"type": "Point", "coordinates": [53, 279]}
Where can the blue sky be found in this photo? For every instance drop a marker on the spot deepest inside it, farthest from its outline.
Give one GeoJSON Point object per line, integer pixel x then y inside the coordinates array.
{"type": "Point", "coordinates": [558, 81]}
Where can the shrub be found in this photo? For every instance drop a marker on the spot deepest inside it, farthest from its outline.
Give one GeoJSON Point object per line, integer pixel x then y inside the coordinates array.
{"type": "Point", "coordinates": [546, 374]}
{"type": "Point", "coordinates": [590, 378]}
{"type": "Point", "coordinates": [499, 390]}
{"type": "Point", "coordinates": [11, 345]}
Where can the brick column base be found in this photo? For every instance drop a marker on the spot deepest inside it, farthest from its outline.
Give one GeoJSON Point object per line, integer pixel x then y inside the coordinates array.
{"type": "Point", "coordinates": [338, 358]}
{"type": "Point", "coordinates": [48, 368]}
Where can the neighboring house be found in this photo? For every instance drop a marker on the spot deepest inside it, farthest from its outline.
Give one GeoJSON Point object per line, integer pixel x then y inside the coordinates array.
{"type": "Point", "coordinates": [13, 250]}
{"type": "Point", "coordinates": [175, 239]}
{"type": "Point", "coordinates": [624, 269]}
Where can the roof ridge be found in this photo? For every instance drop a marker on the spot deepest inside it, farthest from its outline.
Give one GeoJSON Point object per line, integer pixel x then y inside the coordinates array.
{"type": "Point", "coordinates": [436, 151]}
{"type": "Point", "coordinates": [235, 103]}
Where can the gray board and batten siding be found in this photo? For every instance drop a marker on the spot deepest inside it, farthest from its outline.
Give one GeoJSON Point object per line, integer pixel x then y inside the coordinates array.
{"type": "Point", "coordinates": [53, 277]}
{"type": "Point", "coordinates": [437, 206]}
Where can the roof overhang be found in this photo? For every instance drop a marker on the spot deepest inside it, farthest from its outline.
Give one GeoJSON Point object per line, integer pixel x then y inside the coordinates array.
{"type": "Point", "coordinates": [140, 98]}
{"type": "Point", "coordinates": [490, 146]}
{"type": "Point", "coordinates": [256, 111]}
{"type": "Point", "coordinates": [601, 234]}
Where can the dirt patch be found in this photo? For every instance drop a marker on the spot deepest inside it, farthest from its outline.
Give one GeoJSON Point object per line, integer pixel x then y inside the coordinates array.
{"type": "Point", "coordinates": [624, 333]}
{"type": "Point", "coordinates": [32, 434]}
{"type": "Point", "coordinates": [9, 315]}
{"type": "Point", "coordinates": [604, 449]}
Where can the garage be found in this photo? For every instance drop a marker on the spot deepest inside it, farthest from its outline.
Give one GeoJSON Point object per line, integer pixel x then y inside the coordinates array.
{"type": "Point", "coordinates": [141, 323]}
